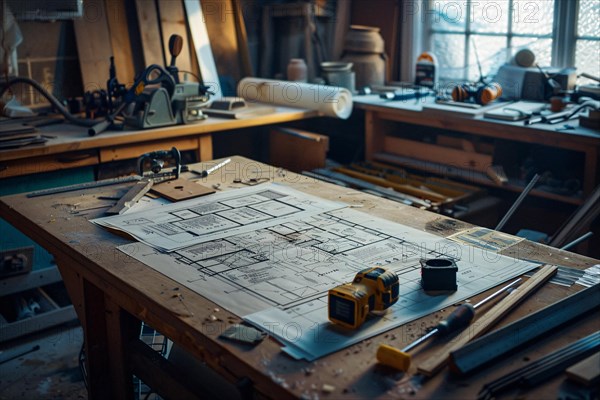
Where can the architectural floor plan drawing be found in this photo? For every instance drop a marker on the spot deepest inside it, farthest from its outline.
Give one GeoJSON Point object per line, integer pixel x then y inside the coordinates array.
{"type": "Point", "coordinates": [198, 220]}
{"type": "Point", "coordinates": [276, 276]}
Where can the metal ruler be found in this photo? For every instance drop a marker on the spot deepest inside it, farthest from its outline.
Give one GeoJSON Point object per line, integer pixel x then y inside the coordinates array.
{"type": "Point", "coordinates": [85, 185]}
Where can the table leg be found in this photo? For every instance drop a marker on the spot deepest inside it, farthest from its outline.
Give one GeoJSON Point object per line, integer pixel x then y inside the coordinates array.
{"type": "Point", "coordinates": [107, 331]}
{"type": "Point", "coordinates": [122, 329]}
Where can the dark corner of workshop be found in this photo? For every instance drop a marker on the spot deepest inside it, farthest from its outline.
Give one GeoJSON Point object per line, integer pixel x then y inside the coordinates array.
{"type": "Point", "coordinates": [335, 199]}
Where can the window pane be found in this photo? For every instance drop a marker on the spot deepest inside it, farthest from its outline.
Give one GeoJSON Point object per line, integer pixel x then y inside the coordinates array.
{"type": "Point", "coordinates": [489, 16]}
{"type": "Point", "coordinates": [587, 58]}
{"type": "Point", "coordinates": [533, 17]}
{"type": "Point", "coordinates": [450, 52]}
{"type": "Point", "coordinates": [492, 54]}
{"type": "Point", "coordinates": [447, 15]}
{"type": "Point", "coordinates": [542, 48]}
{"type": "Point", "coordinates": [588, 23]}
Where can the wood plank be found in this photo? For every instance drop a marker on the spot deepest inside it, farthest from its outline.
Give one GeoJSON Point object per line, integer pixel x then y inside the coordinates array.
{"type": "Point", "coordinates": [54, 162]}
{"type": "Point", "coordinates": [202, 48]}
{"type": "Point", "coordinates": [431, 152]}
{"type": "Point", "coordinates": [586, 372]}
{"type": "Point", "coordinates": [173, 22]}
{"type": "Point", "coordinates": [148, 24]}
{"type": "Point", "coordinates": [181, 189]}
{"type": "Point", "coordinates": [120, 40]}
{"type": "Point", "coordinates": [93, 45]}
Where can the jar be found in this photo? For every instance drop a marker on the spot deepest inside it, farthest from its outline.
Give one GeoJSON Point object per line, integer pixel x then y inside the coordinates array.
{"type": "Point", "coordinates": [364, 47]}
{"type": "Point", "coordinates": [297, 70]}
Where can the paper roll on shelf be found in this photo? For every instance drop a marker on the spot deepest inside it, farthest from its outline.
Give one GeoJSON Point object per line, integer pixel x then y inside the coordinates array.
{"type": "Point", "coordinates": [332, 101]}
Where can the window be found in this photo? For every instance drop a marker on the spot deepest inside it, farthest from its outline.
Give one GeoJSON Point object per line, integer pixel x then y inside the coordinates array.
{"type": "Point", "coordinates": [561, 33]}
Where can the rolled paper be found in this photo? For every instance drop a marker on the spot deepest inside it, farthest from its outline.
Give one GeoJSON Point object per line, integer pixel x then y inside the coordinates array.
{"type": "Point", "coordinates": [331, 101]}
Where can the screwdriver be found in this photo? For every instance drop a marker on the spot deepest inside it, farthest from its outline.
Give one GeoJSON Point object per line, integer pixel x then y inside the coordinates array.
{"type": "Point", "coordinates": [460, 318]}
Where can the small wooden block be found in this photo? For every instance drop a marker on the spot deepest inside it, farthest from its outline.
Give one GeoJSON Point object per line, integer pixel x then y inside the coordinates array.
{"type": "Point", "coordinates": [181, 189]}
{"type": "Point", "coordinates": [586, 372]}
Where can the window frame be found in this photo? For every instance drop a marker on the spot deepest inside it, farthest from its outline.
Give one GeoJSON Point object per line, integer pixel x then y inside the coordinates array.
{"type": "Point", "coordinates": [417, 33]}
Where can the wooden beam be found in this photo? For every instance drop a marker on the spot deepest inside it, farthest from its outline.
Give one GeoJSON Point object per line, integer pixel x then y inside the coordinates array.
{"type": "Point", "coordinates": [173, 22]}
{"type": "Point", "coordinates": [120, 41]}
{"type": "Point", "coordinates": [149, 32]}
{"type": "Point", "coordinates": [93, 45]}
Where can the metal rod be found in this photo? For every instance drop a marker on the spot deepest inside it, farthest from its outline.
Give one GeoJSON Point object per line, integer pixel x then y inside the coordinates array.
{"type": "Point", "coordinates": [518, 202]}
{"type": "Point", "coordinates": [420, 340]}
{"type": "Point", "coordinates": [491, 296]}
{"type": "Point", "coordinates": [577, 241]}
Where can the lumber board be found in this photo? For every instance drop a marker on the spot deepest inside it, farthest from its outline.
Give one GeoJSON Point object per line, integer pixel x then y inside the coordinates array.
{"type": "Point", "coordinates": [431, 152]}
{"type": "Point", "coordinates": [93, 45]}
{"type": "Point", "coordinates": [149, 32]}
{"type": "Point", "coordinates": [173, 22]}
{"type": "Point", "coordinates": [486, 321]}
{"type": "Point", "coordinates": [586, 372]}
{"type": "Point", "coordinates": [116, 17]}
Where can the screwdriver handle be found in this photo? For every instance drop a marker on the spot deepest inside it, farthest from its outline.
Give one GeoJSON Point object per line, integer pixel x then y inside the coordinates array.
{"type": "Point", "coordinates": [460, 318]}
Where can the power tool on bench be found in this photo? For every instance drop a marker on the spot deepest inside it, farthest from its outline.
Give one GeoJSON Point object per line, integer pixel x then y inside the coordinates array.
{"type": "Point", "coordinates": [156, 98]}
{"type": "Point", "coordinates": [373, 289]}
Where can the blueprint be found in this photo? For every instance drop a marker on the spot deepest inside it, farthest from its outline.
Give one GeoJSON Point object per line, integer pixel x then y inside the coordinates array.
{"type": "Point", "coordinates": [202, 219]}
{"type": "Point", "coordinates": [276, 276]}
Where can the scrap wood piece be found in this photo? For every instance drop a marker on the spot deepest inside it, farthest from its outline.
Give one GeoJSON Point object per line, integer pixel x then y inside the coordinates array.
{"type": "Point", "coordinates": [487, 320]}
{"type": "Point", "coordinates": [181, 189]}
{"type": "Point", "coordinates": [586, 372]}
{"type": "Point", "coordinates": [120, 40]}
{"type": "Point", "coordinates": [149, 32]}
{"type": "Point", "coordinates": [93, 44]}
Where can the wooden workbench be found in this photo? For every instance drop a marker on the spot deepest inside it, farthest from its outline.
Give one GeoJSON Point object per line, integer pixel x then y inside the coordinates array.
{"type": "Point", "coordinates": [384, 118]}
{"type": "Point", "coordinates": [112, 293]}
{"type": "Point", "coordinates": [70, 146]}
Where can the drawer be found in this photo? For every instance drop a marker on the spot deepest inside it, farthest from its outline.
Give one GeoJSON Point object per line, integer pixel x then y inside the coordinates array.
{"type": "Point", "coordinates": [49, 163]}
{"type": "Point", "coordinates": [126, 152]}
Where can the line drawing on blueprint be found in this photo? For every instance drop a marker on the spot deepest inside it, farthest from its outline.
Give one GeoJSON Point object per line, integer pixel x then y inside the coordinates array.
{"type": "Point", "coordinates": [177, 225]}
{"type": "Point", "coordinates": [277, 277]}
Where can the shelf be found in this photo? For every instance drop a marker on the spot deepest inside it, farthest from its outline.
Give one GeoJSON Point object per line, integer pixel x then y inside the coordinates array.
{"type": "Point", "coordinates": [33, 279]}
{"type": "Point", "coordinates": [53, 306]}
{"type": "Point", "coordinates": [470, 176]}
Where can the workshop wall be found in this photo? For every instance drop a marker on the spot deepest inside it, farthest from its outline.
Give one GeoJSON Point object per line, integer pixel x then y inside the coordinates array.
{"type": "Point", "coordinates": [48, 55]}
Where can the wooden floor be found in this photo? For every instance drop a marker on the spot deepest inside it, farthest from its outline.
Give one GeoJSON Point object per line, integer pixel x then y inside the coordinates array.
{"type": "Point", "coordinates": [52, 372]}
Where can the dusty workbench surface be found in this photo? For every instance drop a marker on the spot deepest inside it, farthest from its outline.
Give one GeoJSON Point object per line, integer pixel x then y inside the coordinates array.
{"type": "Point", "coordinates": [86, 253]}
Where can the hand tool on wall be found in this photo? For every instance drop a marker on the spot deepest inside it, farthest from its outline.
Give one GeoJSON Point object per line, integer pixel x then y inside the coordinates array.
{"type": "Point", "coordinates": [459, 319]}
